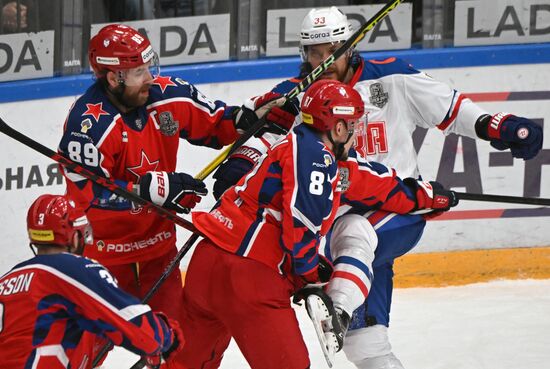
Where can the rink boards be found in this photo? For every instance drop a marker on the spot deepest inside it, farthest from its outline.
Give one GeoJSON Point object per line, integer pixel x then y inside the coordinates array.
{"type": "Point", "coordinates": [465, 165]}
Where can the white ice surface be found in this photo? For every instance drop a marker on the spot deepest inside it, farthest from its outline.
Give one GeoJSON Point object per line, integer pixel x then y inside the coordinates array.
{"type": "Point", "coordinates": [496, 325]}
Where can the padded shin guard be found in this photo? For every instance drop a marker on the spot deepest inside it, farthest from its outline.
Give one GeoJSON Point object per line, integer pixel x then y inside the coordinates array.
{"type": "Point", "coordinates": [352, 247]}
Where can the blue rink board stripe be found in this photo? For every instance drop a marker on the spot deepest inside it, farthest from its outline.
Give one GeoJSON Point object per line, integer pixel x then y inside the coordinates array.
{"type": "Point", "coordinates": [287, 67]}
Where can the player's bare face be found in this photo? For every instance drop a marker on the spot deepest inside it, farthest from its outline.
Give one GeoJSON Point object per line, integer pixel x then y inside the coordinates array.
{"type": "Point", "coordinates": [316, 54]}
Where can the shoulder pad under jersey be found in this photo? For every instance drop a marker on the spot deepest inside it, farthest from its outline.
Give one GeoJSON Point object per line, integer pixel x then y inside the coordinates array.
{"type": "Point", "coordinates": [374, 69]}
{"type": "Point", "coordinates": [91, 115]}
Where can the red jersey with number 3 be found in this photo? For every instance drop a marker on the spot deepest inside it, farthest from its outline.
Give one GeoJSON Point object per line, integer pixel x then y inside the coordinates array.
{"type": "Point", "coordinates": [54, 307]}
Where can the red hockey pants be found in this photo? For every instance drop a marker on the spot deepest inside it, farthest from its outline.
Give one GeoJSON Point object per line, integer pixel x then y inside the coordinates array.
{"type": "Point", "coordinates": [226, 296]}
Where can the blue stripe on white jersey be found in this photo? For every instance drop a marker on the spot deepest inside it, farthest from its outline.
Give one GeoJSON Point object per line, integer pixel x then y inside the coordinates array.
{"type": "Point", "coordinates": [375, 69]}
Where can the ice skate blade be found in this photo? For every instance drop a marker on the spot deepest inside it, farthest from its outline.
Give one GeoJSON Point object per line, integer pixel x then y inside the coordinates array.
{"type": "Point", "coordinates": [321, 320]}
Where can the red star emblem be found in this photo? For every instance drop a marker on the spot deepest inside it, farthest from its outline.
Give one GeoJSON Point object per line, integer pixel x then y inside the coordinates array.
{"type": "Point", "coordinates": [163, 82]}
{"type": "Point", "coordinates": [95, 110]}
{"type": "Point", "coordinates": [144, 166]}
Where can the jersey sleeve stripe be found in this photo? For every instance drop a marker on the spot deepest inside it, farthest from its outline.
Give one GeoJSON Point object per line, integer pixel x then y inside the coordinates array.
{"type": "Point", "coordinates": [185, 100]}
{"type": "Point", "coordinates": [450, 119]}
{"type": "Point", "coordinates": [74, 177]}
{"type": "Point", "coordinates": [50, 351]}
{"type": "Point", "coordinates": [107, 131]}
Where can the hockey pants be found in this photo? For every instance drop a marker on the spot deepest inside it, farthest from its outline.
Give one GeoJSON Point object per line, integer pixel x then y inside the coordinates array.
{"type": "Point", "coordinates": [226, 296]}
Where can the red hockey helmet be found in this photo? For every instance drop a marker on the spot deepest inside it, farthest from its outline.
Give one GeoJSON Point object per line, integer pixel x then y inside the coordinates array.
{"type": "Point", "coordinates": [118, 47]}
{"type": "Point", "coordinates": [53, 219]}
{"type": "Point", "coordinates": [328, 101]}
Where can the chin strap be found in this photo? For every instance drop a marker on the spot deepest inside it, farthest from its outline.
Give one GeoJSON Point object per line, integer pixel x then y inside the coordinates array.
{"type": "Point", "coordinates": [339, 147]}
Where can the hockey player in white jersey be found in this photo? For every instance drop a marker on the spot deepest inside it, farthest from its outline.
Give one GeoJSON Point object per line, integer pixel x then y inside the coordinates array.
{"type": "Point", "coordinates": [366, 241]}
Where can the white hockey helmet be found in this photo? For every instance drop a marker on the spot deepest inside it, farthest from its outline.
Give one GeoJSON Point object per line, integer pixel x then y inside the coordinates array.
{"type": "Point", "coordinates": [324, 25]}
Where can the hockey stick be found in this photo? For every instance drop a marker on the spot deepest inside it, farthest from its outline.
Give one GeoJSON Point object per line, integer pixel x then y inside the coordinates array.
{"type": "Point", "coordinates": [102, 181]}
{"type": "Point", "coordinates": [500, 198]}
{"type": "Point", "coordinates": [306, 82]}
{"type": "Point", "coordinates": [354, 39]}
{"type": "Point", "coordinates": [113, 187]}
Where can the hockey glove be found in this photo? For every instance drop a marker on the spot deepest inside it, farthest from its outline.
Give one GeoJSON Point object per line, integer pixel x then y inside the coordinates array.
{"type": "Point", "coordinates": [279, 114]}
{"type": "Point", "coordinates": [506, 131]}
{"type": "Point", "coordinates": [431, 196]}
{"type": "Point", "coordinates": [324, 269]}
{"type": "Point", "coordinates": [174, 191]}
{"type": "Point", "coordinates": [155, 361]}
{"type": "Point", "coordinates": [229, 174]}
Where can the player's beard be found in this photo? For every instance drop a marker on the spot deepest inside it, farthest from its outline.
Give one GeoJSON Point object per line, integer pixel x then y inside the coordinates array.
{"type": "Point", "coordinates": [131, 99]}
{"type": "Point", "coordinates": [334, 74]}
{"type": "Point", "coordinates": [137, 98]}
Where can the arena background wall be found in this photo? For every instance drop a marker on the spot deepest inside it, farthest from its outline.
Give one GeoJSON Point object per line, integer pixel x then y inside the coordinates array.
{"type": "Point", "coordinates": [476, 241]}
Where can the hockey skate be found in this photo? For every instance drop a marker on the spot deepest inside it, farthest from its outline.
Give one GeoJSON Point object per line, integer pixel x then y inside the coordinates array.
{"type": "Point", "coordinates": [330, 324]}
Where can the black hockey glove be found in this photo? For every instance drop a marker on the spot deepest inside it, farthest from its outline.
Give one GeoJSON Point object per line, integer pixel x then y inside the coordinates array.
{"type": "Point", "coordinates": [229, 173]}
{"type": "Point", "coordinates": [174, 191]}
{"type": "Point", "coordinates": [325, 269]}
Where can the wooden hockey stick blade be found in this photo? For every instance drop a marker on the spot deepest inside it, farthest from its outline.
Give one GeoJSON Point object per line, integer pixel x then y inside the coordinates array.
{"type": "Point", "coordinates": [354, 39]}
{"type": "Point", "coordinates": [102, 181]}
{"type": "Point", "coordinates": [500, 198]}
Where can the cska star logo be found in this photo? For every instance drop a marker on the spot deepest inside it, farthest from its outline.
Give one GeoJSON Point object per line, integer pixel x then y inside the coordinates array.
{"type": "Point", "coordinates": [144, 166]}
{"type": "Point", "coordinates": [95, 110]}
{"type": "Point", "coordinates": [163, 82]}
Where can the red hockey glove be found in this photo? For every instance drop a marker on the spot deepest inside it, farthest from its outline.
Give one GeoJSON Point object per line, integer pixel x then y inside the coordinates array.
{"type": "Point", "coordinates": [506, 131]}
{"type": "Point", "coordinates": [174, 191]}
{"type": "Point", "coordinates": [177, 342]}
{"type": "Point", "coordinates": [318, 277]}
{"type": "Point", "coordinates": [279, 114]}
{"type": "Point", "coordinates": [431, 195]}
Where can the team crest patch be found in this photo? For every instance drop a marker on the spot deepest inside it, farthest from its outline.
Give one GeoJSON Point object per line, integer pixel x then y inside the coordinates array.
{"type": "Point", "coordinates": [100, 245]}
{"type": "Point", "coordinates": [85, 125]}
{"type": "Point", "coordinates": [168, 126]}
{"type": "Point", "coordinates": [328, 159]}
{"type": "Point", "coordinates": [343, 182]}
{"type": "Point", "coordinates": [378, 97]}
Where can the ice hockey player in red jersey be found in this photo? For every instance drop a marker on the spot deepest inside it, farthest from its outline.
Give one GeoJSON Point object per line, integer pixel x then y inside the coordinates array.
{"type": "Point", "coordinates": [127, 126]}
{"type": "Point", "coordinates": [365, 241]}
{"type": "Point", "coordinates": [264, 237]}
{"type": "Point", "coordinates": [56, 307]}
